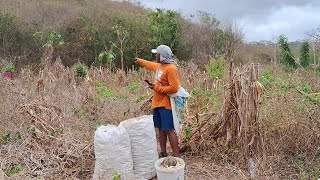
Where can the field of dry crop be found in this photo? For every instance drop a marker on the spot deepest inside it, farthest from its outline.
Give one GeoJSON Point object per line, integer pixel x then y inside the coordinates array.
{"type": "Point", "coordinates": [48, 119]}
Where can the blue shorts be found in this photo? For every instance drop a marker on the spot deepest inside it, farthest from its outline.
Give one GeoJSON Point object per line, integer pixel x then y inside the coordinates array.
{"type": "Point", "coordinates": [163, 119]}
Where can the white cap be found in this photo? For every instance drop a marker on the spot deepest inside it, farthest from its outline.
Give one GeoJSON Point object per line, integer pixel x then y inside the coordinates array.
{"type": "Point", "coordinates": [163, 50]}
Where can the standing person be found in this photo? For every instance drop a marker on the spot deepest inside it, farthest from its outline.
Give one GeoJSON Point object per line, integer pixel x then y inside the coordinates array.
{"type": "Point", "coordinates": [166, 82]}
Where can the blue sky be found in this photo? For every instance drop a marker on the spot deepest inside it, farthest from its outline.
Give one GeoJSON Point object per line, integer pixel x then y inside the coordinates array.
{"type": "Point", "coordinates": [259, 19]}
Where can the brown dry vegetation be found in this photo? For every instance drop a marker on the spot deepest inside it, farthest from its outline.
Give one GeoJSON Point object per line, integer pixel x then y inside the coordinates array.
{"type": "Point", "coordinates": [48, 117]}
{"type": "Point", "coordinates": [57, 124]}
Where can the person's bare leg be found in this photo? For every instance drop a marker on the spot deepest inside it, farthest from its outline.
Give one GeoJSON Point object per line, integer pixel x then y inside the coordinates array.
{"type": "Point", "coordinates": [173, 139]}
{"type": "Point", "coordinates": [163, 140]}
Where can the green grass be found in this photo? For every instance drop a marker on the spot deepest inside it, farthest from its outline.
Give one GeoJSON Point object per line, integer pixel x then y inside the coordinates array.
{"type": "Point", "coordinates": [103, 92]}
{"type": "Point", "coordinates": [142, 98]}
{"type": "Point", "coordinates": [133, 87]}
{"type": "Point", "coordinates": [81, 113]}
{"type": "Point", "coordinates": [13, 170]}
{"type": "Point", "coordinates": [317, 172]}
{"type": "Point", "coordinates": [6, 138]}
{"type": "Point", "coordinates": [99, 124]}
{"type": "Point", "coordinates": [210, 99]}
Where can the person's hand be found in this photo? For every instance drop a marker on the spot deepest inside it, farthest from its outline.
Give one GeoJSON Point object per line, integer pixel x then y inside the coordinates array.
{"type": "Point", "coordinates": [151, 86]}
{"type": "Point", "coordinates": [136, 60]}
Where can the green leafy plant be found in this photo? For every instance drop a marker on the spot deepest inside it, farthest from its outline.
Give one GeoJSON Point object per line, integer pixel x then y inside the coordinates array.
{"type": "Point", "coordinates": [104, 92]}
{"type": "Point", "coordinates": [109, 56]}
{"type": "Point", "coordinates": [99, 124]}
{"type": "Point", "coordinates": [208, 99]}
{"type": "Point", "coordinates": [270, 81]}
{"type": "Point", "coordinates": [10, 68]}
{"type": "Point", "coordinates": [306, 87]}
{"type": "Point", "coordinates": [216, 69]}
{"type": "Point", "coordinates": [188, 132]}
{"type": "Point", "coordinates": [81, 113]}
{"type": "Point", "coordinates": [19, 135]}
{"type": "Point", "coordinates": [13, 170]}
{"type": "Point", "coordinates": [38, 38]}
{"type": "Point", "coordinates": [267, 78]}
{"type": "Point", "coordinates": [54, 132]}
{"type": "Point", "coordinates": [133, 87]}
{"type": "Point", "coordinates": [32, 130]}
{"type": "Point", "coordinates": [6, 138]}
{"type": "Point", "coordinates": [142, 98]}
{"type": "Point", "coordinates": [81, 70]}
{"type": "Point", "coordinates": [116, 176]}
{"type": "Point", "coordinates": [54, 39]}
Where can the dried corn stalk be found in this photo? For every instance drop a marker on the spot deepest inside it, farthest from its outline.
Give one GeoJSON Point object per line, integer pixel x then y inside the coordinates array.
{"type": "Point", "coordinates": [239, 122]}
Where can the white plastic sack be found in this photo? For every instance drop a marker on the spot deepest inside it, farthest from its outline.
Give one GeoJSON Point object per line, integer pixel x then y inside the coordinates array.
{"type": "Point", "coordinates": [113, 153]}
{"type": "Point", "coordinates": [178, 112]}
{"type": "Point", "coordinates": [177, 101]}
{"type": "Point", "coordinates": [181, 92]}
{"type": "Point", "coordinates": [143, 146]}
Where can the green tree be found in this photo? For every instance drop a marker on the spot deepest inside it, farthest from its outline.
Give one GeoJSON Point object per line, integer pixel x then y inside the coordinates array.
{"type": "Point", "coordinates": [50, 43]}
{"type": "Point", "coordinates": [11, 39]}
{"type": "Point", "coordinates": [305, 58]}
{"type": "Point", "coordinates": [214, 35]}
{"type": "Point", "coordinates": [121, 34]}
{"type": "Point", "coordinates": [106, 56]}
{"type": "Point", "coordinates": [165, 27]}
{"type": "Point", "coordinates": [218, 39]}
{"type": "Point", "coordinates": [121, 40]}
{"type": "Point", "coordinates": [286, 58]}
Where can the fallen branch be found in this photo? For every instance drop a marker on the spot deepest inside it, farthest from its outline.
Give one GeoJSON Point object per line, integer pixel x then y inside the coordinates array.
{"type": "Point", "coordinates": [43, 124]}
{"type": "Point", "coordinates": [305, 94]}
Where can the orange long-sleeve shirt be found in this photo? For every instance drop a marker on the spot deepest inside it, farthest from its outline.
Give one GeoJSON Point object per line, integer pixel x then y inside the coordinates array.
{"type": "Point", "coordinates": [168, 84]}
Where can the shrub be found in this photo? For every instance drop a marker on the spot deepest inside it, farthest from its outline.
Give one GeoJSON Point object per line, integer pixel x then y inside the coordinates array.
{"type": "Point", "coordinates": [217, 69]}
{"type": "Point", "coordinates": [81, 70]}
{"type": "Point", "coordinates": [104, 56]}
{"type": "Point", "coordinates": [10, 68]}
{"type": "Point", "coordinates": [9, 33]}
{"type": "Point", "coordinates": [54, 39]}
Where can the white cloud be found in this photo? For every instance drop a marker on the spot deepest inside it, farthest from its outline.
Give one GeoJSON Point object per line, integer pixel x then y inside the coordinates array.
{"type": "Point", "coordinates": [260, 19]}
{"type": "Point", "coordinates": [291, 21]}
